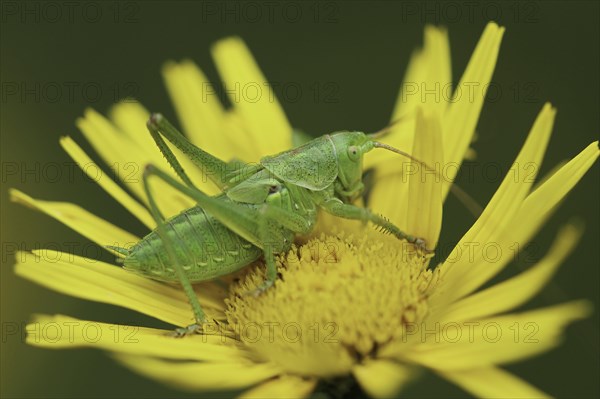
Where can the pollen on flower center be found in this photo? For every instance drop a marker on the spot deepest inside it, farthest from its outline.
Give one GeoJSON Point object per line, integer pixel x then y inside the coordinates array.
{"type": "Point", "coordinates": [337, 299]}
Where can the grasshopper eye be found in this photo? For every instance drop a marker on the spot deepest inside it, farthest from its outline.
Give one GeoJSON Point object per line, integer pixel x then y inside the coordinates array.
{"type": "Point", "coordinates": [354, 153]}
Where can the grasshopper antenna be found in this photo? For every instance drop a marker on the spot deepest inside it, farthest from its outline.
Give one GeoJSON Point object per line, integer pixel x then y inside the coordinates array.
{"type": "Point", "coordinates": [377, 144]}
{"type": "Point", "coordinates": [472, 206]}
{"type": "Point", "coordinates": [386, 130]}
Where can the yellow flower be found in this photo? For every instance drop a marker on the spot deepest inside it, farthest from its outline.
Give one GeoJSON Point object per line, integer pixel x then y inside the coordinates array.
{"type": "Point", "coordinates": [349, 301]}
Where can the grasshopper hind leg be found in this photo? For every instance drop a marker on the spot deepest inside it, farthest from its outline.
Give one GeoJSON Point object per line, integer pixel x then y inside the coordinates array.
{"type": "Point", "coordinates": [290, 221]}
{"type": "Point", "coordinates": [248, 221]}
{"type": "Point", "coordinates": [199, 315]}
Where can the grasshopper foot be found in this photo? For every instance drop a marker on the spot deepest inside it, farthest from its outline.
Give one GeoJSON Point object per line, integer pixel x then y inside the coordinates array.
{"type": "Point", "coordinates": [260, 289]}
{"type": "Point", "coordinates": [422, 245]}
{"type": "Point", "coordinates": [189, 330]}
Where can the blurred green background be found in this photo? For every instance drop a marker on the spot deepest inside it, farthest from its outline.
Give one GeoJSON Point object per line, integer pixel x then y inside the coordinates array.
{"type": "Point", "coordinates": [348, 59]}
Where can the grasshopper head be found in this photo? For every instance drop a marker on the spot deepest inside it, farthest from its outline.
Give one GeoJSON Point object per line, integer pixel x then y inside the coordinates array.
{"type": "Point", "coordinates": [350, 148]}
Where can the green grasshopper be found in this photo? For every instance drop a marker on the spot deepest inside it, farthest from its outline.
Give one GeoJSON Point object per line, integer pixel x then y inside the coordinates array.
{"type": "Point", "coordinates": [260, 211]}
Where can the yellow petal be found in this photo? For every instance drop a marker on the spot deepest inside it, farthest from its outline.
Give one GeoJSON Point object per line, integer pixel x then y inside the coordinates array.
{"type": "Point", "coordinates": [538, 206]}
{"type": "Point", "coordinates": [198, 108]}
{"type": "Point", "coordinates": [284, 387]}
{"type": "Point", "coordinates": [97, 281]}
{"type": "Point", "coordinates": [517, 290]}
{"type": "Point", "coordinates": [242, 143]}
{"type": "Point", "coordinates": [382, 378]}
{"type": "Point", "coordinates": [389, 194]}
{"type": "Point", "coordinates": [425, 186]}
{"type": "Point", "coordinates": [471, 154]}
{"type": "Point", "coordinates": [196, 376]}
{"type": "Point", "coordinates": [117, 150]}
{"type": "Point", "coordinates": [548, 175]}
{"type": "Point", "coordinates": [465, 273]}
{"type": "Point", "coordinates": [492, 382]}
{"type": "Point", "coordinates": [428, 76]}
{"type": "Point", "coordinates": [496, 340]}
{"type": "Point", "coordinates": [127, 159]}
{"type": "Point", "coordinates": [458, 119]}
{"type": "Point", "coordinates": [88, 225]}
{"type": "Point", "coordinates": [63, 332]}
{"type": "Point", "coordinates": [461, 117]}
{"type": "Point", "coordinates": [94, 172]}
{"type": "Point", "coordinates": [252, 97]}
{"type": "Point", "coordinates": [427, 83]}
{"type": "Point", "coordinates": [131, 118]}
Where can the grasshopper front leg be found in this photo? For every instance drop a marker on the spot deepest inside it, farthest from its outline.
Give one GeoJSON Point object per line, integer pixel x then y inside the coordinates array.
{"type": "Point", "coordinates": [337, 208]}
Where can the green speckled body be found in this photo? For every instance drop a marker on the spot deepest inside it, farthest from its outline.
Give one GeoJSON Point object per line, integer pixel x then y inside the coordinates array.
{"type": "Point", "coordinates": [205, 248]}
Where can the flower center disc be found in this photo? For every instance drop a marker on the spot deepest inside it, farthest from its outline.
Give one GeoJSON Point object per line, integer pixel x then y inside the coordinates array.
{"type": "Point", "coordinates": [336, 301]}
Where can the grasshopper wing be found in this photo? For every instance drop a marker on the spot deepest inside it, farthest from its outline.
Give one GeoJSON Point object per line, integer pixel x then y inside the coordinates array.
{"type": "Point", "coordinates": [313, 165]}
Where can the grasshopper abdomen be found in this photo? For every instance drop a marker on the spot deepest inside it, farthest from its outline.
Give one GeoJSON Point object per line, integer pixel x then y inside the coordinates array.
{"type": "Point", "coordinates": [204, 247]}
